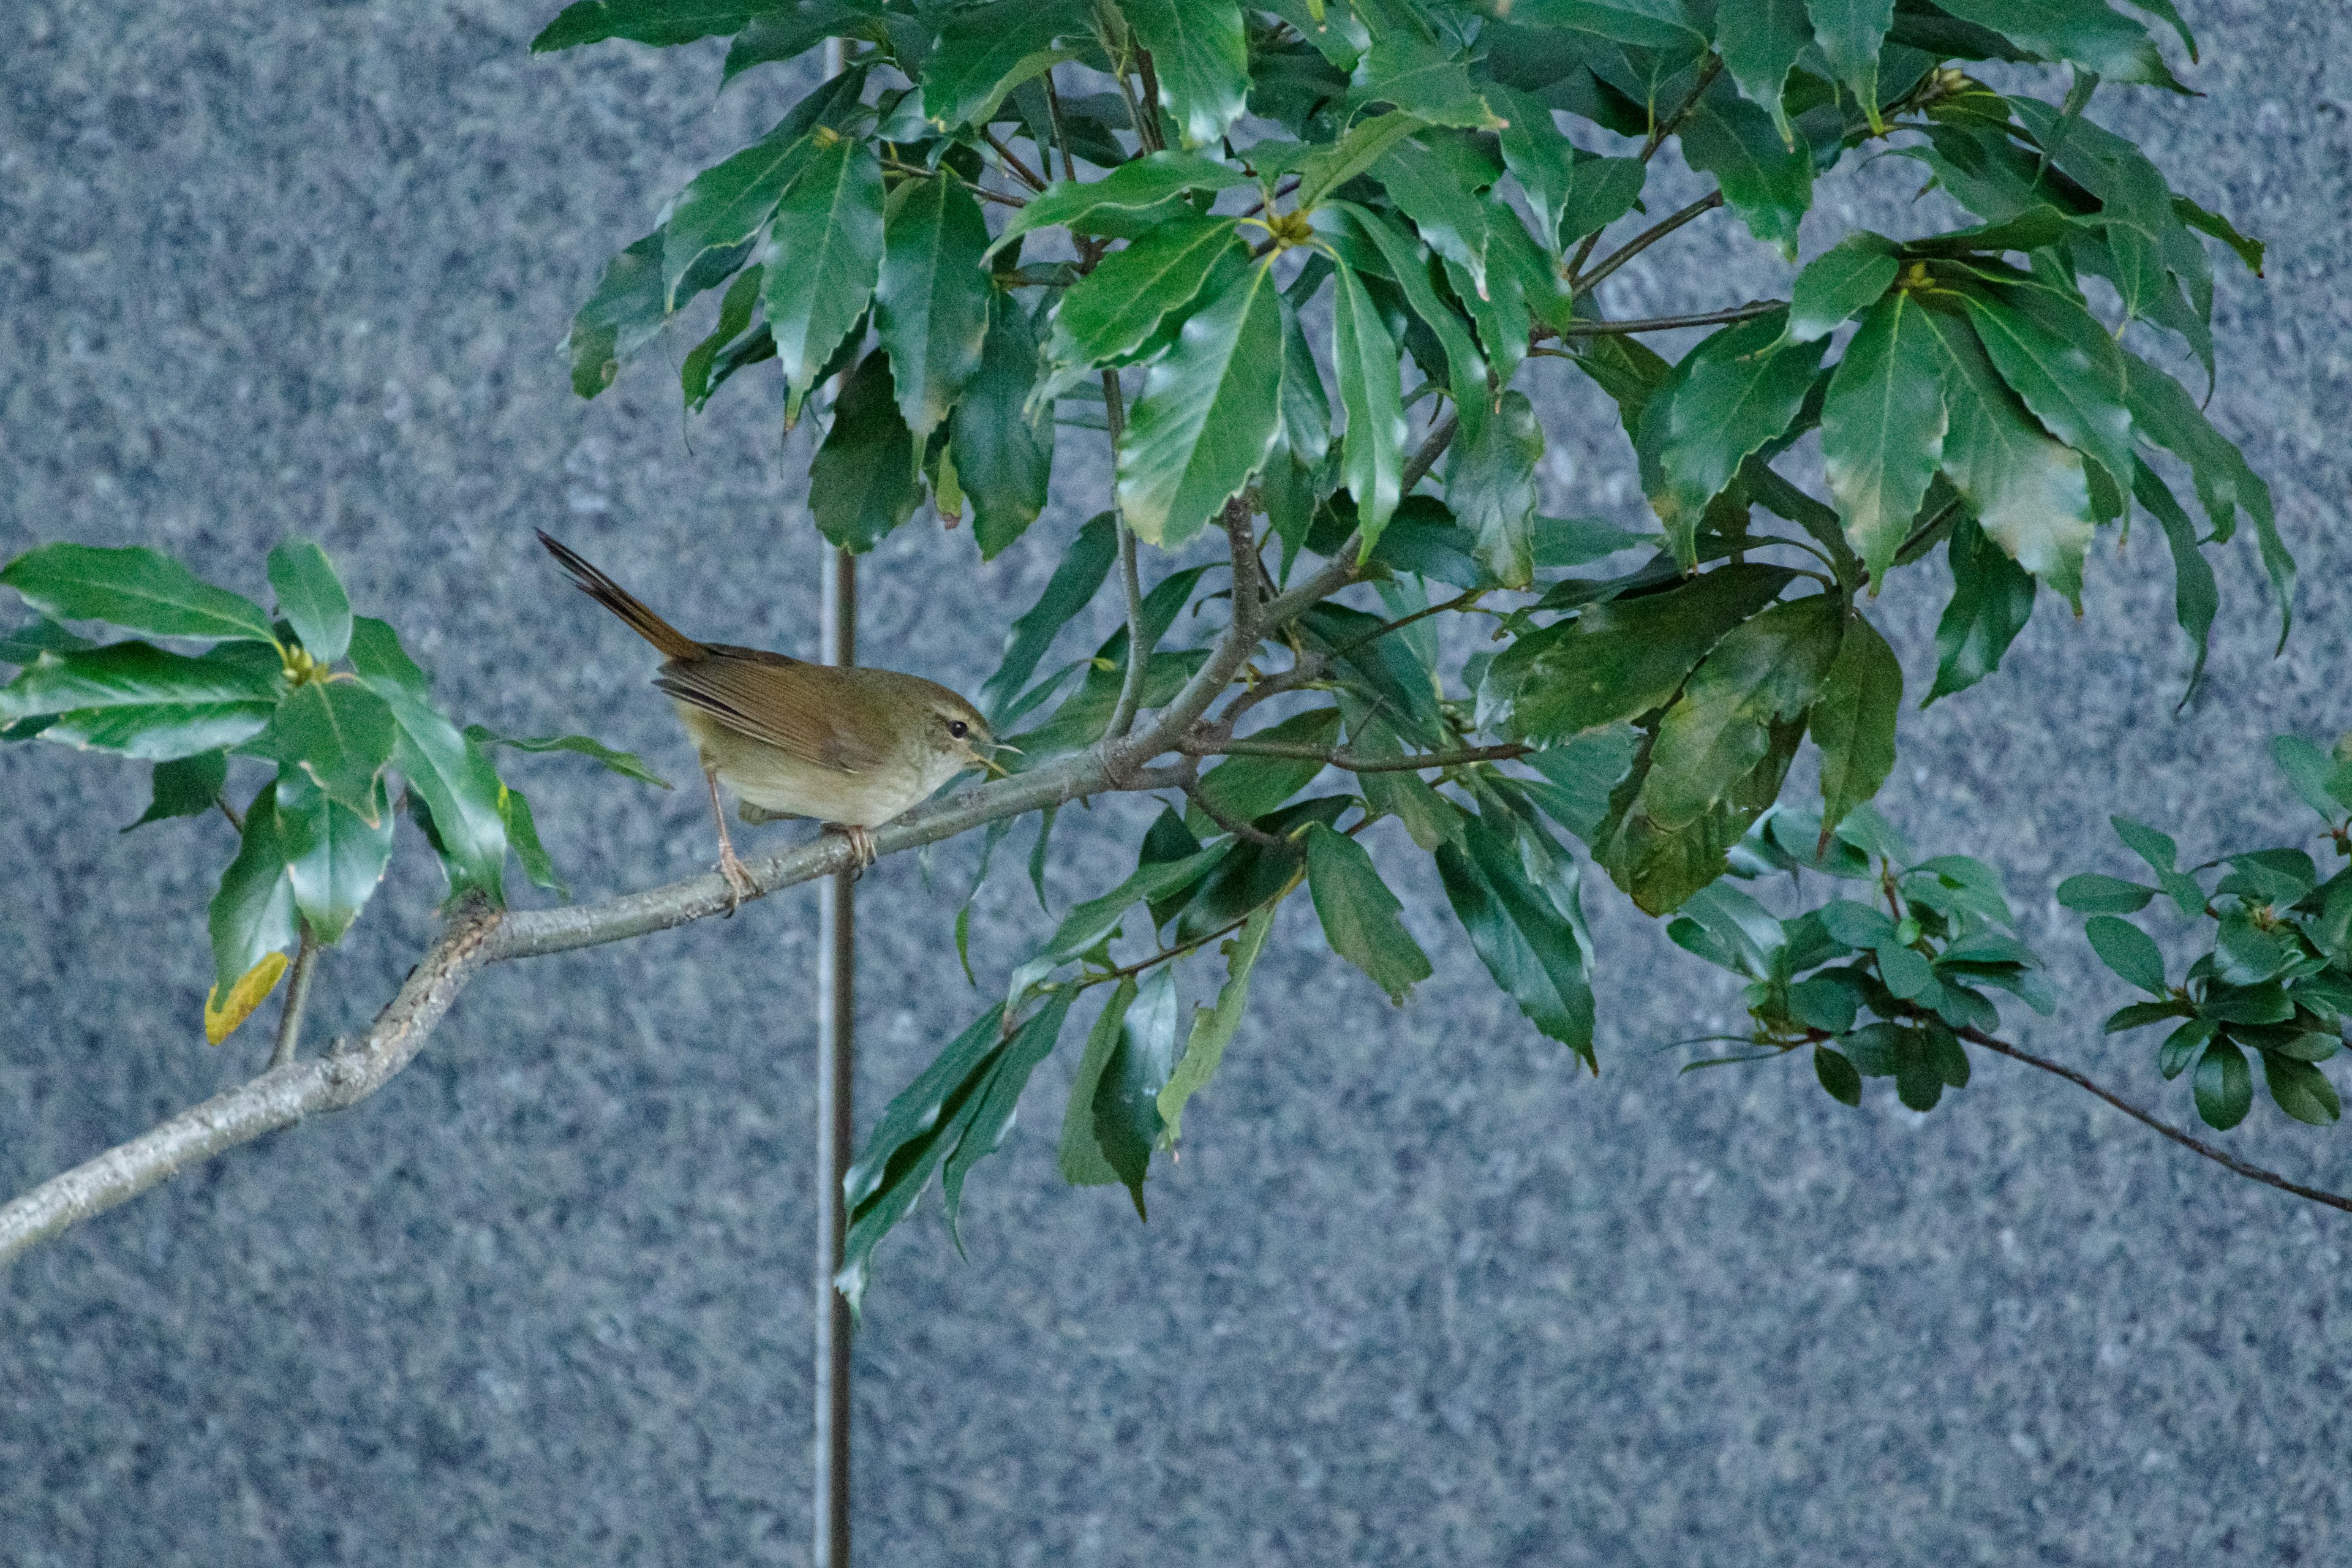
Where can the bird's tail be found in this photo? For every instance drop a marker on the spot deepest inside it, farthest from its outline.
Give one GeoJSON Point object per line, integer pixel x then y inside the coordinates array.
{"type": "Point", "coordinates": [673, 642]}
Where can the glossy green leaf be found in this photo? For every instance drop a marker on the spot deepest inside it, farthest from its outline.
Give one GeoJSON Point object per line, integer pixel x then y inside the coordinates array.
{"type": "Point", "coordinates": [1428, 188]}
{"type": "Point", "coordinates": [694, 372]}
{"type": "Point", "coordinates": [996, 1100]}
{"type": "Point", "coordinates": [1077, 577]}
{"type": "Point", "coordinates": [1736, 393]}
{"type": "Point", "coordinates": [622, 315]}
{"type": "Point", "coordinates": [2225, 1089]}
{"type": "Point", "coordinates": [1003, 458]}
{"type": "Point", "coordinates": [2092, 893]}
{"type": "Point", "coordinates": [1126, 1095]}
{"type": "Point", "coordinates": [1850, 33]}
{"type": "Point", "coordinates": [1408, 265]}
{"type": "Point", "coordinates": [1114, 204]}
{"type": "Point", "coordinates": [821, 260]}
{"type": "Point", "coordinates": [29, 642]}
{"type": "Point", "coordinates": [2163, 412]}
{"type": "Point", "coordinates": [1109, 316]}
{"type": "Point", "coordinates": [1095, 921]}
{"type": "Point", "coordinates": [1078, 1154]}
{"type": "Point", "coordinates": [714, 220]}
{"type": "Point", "coordinates": [1520, 935]}
{"type": "Point", "coordinates": [985, 52]}
{"type": "Point", "coordinates": [2302, 1090]}
{"type": "Point", "coordinates": [863, 481]}
{"type": "Point", "coordinates": [1491, 488]}
{"type": "Point", "coordinates": [1247, 787]}
{"type": "Point", "coordinates": [1659, 867]}
{"type": "Point", "coordinates": [658, 22]}
{"type": "Point", "coordinates": [1837, 1076]}
{"type": "Point", "coordinates": [1384, 670]}
{"type": "Point", "coordinates": [522, 833]}
{"type": "Point", "coordinates": [1360, 913]}
{"type": "Point", "coordinates": [312, 598]}
{"type": "Point", "coordinates": [931, 307]}
{"type": "Point", "coordinates": [340, 734]}
{"type": "Point", "coordinates": [1760, 42]}
{"type": "Point", "coordinates": [334, 857]}
{"type": "Point", "coordinates": [1882, 428]}
{"type": "Point", "coordinates": [2056, 357]}
{"type": "Point", "coordinates": [1200, 54]}
{"type": "Point", "coordinates": [2029, 493]}
{"type": "Point", "coordinates": [447, 773]}
{"type": "Point", "coordinates": [1406, 70]}
{"type": "Point", "coordinates": [186, 786]}
{"type": "Point", "coordinates": [2126, 949]}
{"type": "Point", "coordinates": [140, 589]}
{"type": "Point", "coordinates": [1372, 459]}
{"type": "Point", "coordinates": [1208, 416]}
{"type": "Point", "coordinates": [1305, 407]}
{"type": "Point", "coordinates": [783, 30]}
{"type": "Point", "coordinates": [1841, 283]}
{"type": "Point", "coordinates": [253, 913]}
{"type": "Point", "coordinates": [1365, 143]}
{"type": "Point", "coordinates": [1854, 721]}
{"type": "Point", "coordinates": [1214, 1028]}
{"type": "Point", "coordinates": [1540, 157]}
{"type": "Point", "coordinates": [1768, 182]}
{"type": "Point", "coordinates": [1649, 24]}
{"type": "Point", "coordinates": [1993, 598]}
{"type": "Point", "coordinates": [144, 702]}
{"type": "Point", "coordinates": [1767, 667]}
{"type": "Point", "coordinates": [2196, 597]}
{"type": "Point", "coordinates": [628, 764]}
{"type": "Point", "coordinates": [1618, 661]}
{"type": "Point", "coordinates": [2083, 32]}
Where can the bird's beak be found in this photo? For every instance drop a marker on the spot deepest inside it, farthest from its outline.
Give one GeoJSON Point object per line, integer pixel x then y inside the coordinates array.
{"type": "Point", "coordinates": [987, 760]}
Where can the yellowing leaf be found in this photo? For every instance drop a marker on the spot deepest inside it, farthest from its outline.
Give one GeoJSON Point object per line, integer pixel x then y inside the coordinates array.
{"type": "Point", "coordinates": [222, 1017]}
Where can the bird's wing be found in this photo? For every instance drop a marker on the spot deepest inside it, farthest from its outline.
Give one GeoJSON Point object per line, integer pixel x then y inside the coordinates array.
{"type": "Point", "coordinates": [788, 703]}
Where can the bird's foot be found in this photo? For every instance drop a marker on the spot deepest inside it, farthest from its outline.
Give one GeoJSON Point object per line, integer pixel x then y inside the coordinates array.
{"type": "Point", "coordinates": [740, 885]}
{"type": "Point", "coordinates": [861, 846]}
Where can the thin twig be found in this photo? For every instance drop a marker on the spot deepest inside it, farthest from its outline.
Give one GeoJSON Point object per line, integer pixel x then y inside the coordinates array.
{"type": "Point", "coordinates": [917, 171]}
{"type": "Point", "coordinates": [2222, 1157]}
{"type": "Point", "coordinates": [1234, 825]}
{"type": "Point", "coordinates": [230, 812]}
{"type": "Point", "coordinates": [297, 998]}
{"type": "Point", "coordinates": [1019, 169]}
{"type": "Point", "coordinates": [1350, 762]}
{"type": "Point", "coordinates": [1150, 101]}
{"type": "Point", "coordinates": [1061, 137]}
{"type": "Point", "coordinates": [1674, 122]}
{"type": "Point", "coordinates": [1747, 312]}
{"type": "Point", "coordinates": [1644, 240]}
{"type": "Point", "coordinates": [1131, 582]}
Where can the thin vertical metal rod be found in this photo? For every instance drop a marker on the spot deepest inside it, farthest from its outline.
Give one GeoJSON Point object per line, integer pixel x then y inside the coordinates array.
{"type": "Point", "coordinates": [836, 1061]}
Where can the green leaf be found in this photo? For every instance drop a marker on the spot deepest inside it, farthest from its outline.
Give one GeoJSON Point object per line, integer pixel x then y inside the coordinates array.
{"type": "Point", "coordinates": [1305, 407]}
{"type": "Point", "coordinates": [447, 774]}
{"type": "Point", "coordinates": [2029, 494]}
{"type": "Point", "coordinates": [334, 857]}
{"type": "Point", "coordinates": [786, 29]}
{"type": "Point", "coordinates": [1541, 158]}
{"type": "Point", "coordinates": [1648, 24]}
{"type": "Point", "coordinates": [1408, 265]}
{"type": "Point", "coordinates": [656, 22]}
{"type": "Point", "coordinates": [628, 764]}
{"type": "Point", "coordinates": [2310, 770]}
{"type": "Point", "coordinates": [1201, 58]}
{"type": "Point", "coordinates": [2163, 412]}
{"type": "Point", "coordinates": [1760, 42]}
{"type": "Point", "coordinates": [142, 590]}
{"type": "Point", "coordinates": [1372, 461]}
{"type": "Point", "coordinates": [1839, 284]}
{"type": "Point", "coordinates": [1208, 416]}
{"type": "Point", "coordinates": [2081, 32]}
{"type": "Point", "coordinates": [863, 481]}
{"type": "Point", "coordinates": [29, 642]}
{"type": "Point", "coordinates": [2057, 357]}
{"type": "Point", "coordinates": [1851, 33]}
{"type": "Point", "coordinates": [1882, 428]}
{"type": "Point", "coordinates": [1854, 721]}
{"type": "Point", "coordinates": [622, 315]}
{"type": "Point", "coordinates": [1126, 1095]}
{"type": "Point", "coordinates": [1384, 670]}
{"type": "Point", "coordinates": [2225, 1089]}
{"type": "Point", "coordinates": [1491, 488]}
{"type": "Point", "coordinates": [1077, 577]}
{"type": "Point", "coordinates": [930, 308]}
{"type": "Point", "coordinates": [985, 52]}
{"type": "Point", "coordinates": [2092, 893]}
{"type": "Point", "coordinates": [1660, 867]}
{"type": "Point", "coordinates": [312, 598]}
{"type": "Point", "coordinates": [1837, 1076]}
{"type": "Point", "coordinates": [1406, 70]}
{"type": "Point", "coordinates": [1111, 315]}
{"type": "Point", "coordinates": [1431, 189]}
{"type": "Point", "coordinates": [1993, 598]}
{"type": "Point", "coordinates": [2126, 949]}
{"type": "Point", "coordinates": [1360, 913]}
{"type": "Point", "coordinates": [1621, 659]}
{"type": "Point", "coordinates": [1097, 920]}
{"type": "Point", "coordinates": [714, 220]}
{"type": "Point", "coordinates": [253, 913]}
{"type": "Point", "coordinates": [1003, 459]}
{"type": "Point", "coordinates": [338, 732]}
{"type": "Point", "coordinates": [2249, 251]}
{"type": "Point", "coordinates": [2196, 598]}
{"type": "Point", "coordinates": [1212, 1028]}
{"type": "Point", "coordinates": [522, 832]}
{"type": "Point", "coordinates": [1736, 393]}
{"type": "Point", "coordinates": [1123, 201]}
{"type": "Point", "coordinates": [694, 377]}
{"type": "Point", "coordinates": [1078, 1154]}
{"type": "Point", "coordinates": [1768, 182]}
{"type": "Point", "coordinates": [1522, 937]}
{"type": "Point", "coordinates": [1248, 787]}
{"type": "Point", "coordinates": [1766, 668]}
{"type": "Point", "coordinates": [2302, 1090]}
{"type": "Point", "coordinates": [186, 786]}
{"type": "Point", "coordinates": [1365, 143]}
{"type": "Point", "coordinates": [821, 260]}
{"type": "Point", "coordinates": [999, 1097]}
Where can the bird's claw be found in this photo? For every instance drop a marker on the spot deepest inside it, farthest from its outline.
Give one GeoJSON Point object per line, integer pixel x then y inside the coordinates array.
{"type": "Point", "coordinates": [740, 885]}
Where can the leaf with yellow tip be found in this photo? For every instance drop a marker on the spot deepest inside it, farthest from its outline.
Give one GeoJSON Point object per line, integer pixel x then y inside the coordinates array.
{"type": "Point", "coordinates": [223, 1016]}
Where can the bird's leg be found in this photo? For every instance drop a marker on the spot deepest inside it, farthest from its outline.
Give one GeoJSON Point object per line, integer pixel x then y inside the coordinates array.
{"type": "Point", "coordinates": [740, 885]}
{"type": "Point", "coordinates": [861, 844]}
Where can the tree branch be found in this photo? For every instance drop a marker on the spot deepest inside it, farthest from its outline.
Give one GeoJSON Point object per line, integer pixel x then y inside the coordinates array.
{"type": "Point", "coordinates": [1131, 582]}
{"type": "Point", "coordinates": [1353, 764]}
{"type": "Point", "coordinates": [297, 998]}
{"type": "Point", "coordinates": [1747, 312]}
{"type": "Point", "coordinates": [1644, 240]}
{"type": "Point", "coordinates": [1234, 825]}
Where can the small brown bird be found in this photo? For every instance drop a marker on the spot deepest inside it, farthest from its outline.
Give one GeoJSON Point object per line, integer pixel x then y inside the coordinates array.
{"type": "Point", "coordinates": [851, 747]}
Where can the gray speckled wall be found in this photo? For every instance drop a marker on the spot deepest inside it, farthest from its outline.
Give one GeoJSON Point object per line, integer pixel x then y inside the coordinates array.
{"type": "Point", "coordinates": [1417, 1294]}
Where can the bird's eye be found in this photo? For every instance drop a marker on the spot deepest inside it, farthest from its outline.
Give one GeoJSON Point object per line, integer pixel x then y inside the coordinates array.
{"type": "Point", "coordinates": [959, 728]}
